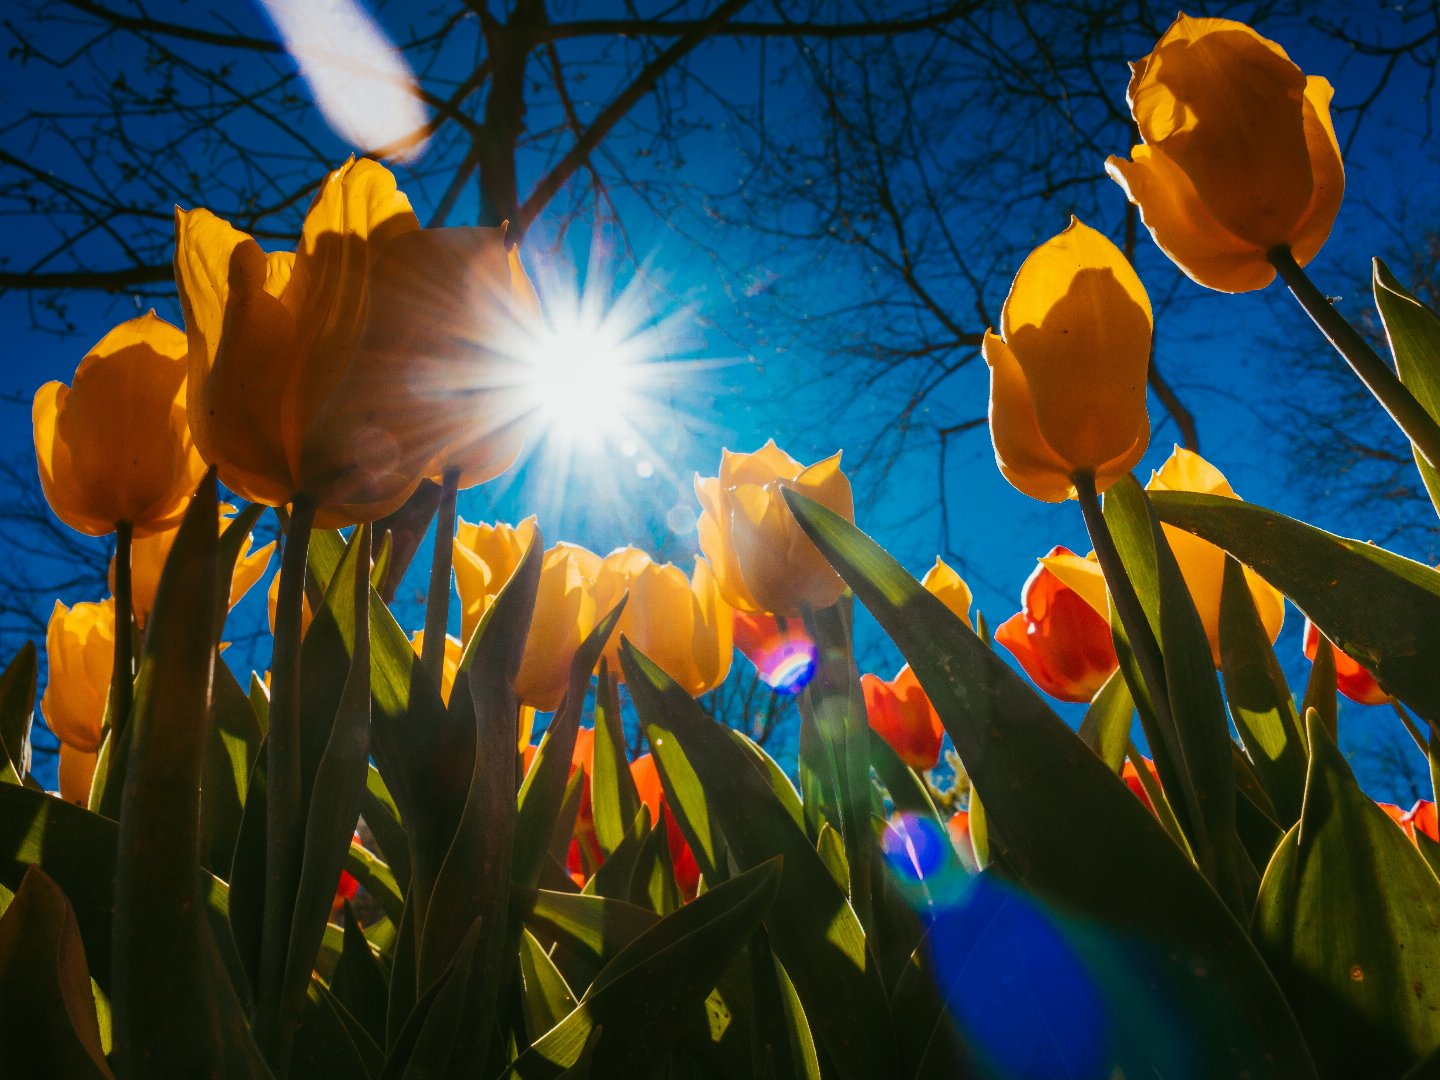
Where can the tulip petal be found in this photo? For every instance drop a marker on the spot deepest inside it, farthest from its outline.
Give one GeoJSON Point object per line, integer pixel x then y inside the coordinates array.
{"type": "Point", "coordinates": [713, 527]}
{"type": "Point", "coordinates": [1328, 168]}
{"type": "Point", "coordinates": [766, 464]}
{"type": "Point", "coordinates": [57, 467]}
{"type": "Point", "coordinates": [1082, 575]}
{"type": "Point", "coordinates": [1021, 451]}
{"type": "Point", "coordinates": [949, 587]}
{"type": "Point", "coordinates": [1078, 322]}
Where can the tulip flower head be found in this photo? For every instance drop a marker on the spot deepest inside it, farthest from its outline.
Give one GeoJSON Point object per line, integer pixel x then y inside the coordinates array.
{"type": "Point", "coordinates": [76, 773]}
{"type": "Point", "coordinates": [944, 583]}
{"type": "Point", "coordinates": [900, 712]}
{"type": "Point", "coordinates": [1062, 642]}
{"type": "Point", "coordinates": [1068, 369]}
{"type": "Point", "coordinates": [1202, 563]}
{"type": "Point", "coordinates": [1352, 680]}
{"type": "Point", "coordinates": [115, 447]}
{"type": "Point", "coordinates": [80, 652]}
{"type": "Point", "coordinates": [682, 624]}
{"type": "Point", "coordinates": [762, 559]}
{"type": "Point", "coordinates": [782, 652]}
{"type": "Point", "coordinates": [1238, 157]}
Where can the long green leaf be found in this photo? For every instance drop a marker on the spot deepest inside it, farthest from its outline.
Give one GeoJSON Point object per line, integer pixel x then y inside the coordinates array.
{"type": "Point", "coordinates": [1414, 335]}
{"type": "Point", "coordinates": [1111, 862]}
{"type": "Point", "coordinates": [230, 756]}
{"type": "Point", "coordinates": [1348, 915]}
{"type": "Point", "coordinates": [813, 929]}
{"type": "Point", "coordinates": [17, 710]}
{"type": "Point", "coordinates": [1381, 609]}
{"type": "Point", "coordinates": [614, 800]}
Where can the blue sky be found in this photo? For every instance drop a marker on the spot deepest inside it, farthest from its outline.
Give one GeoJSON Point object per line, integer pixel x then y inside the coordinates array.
{"type": "Point", "coordinates": [1217, 350]}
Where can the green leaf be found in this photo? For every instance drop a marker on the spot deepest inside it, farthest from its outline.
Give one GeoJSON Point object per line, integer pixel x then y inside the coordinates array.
{"type": "Point", "coordinates": [230, 755]}
{"type": "Point", "coordinates": [812, 927]}
{"type": "Point", "coordinates": [17, 710]}
{"type": "Point", "coordinates": [1195, 768]}
{"type": "Point", "coordinates": [1110, 862]}
{"type": "Point", "coordinates": [1414, 335]}
{"type": "Point", "coordinates": [48, 1024]}
{"type": "Point", "coordinates": [1321, 689]}
{"type": "Point", "coordinates": [359, 982]}
{"type": "Point", "coordinates": [375, 877]}
{"type": "Point", "coordinates": [171, 1012]}
{"type": "Point", "coordinates": [546, 996]}
{"type": "Point", "coordinates": [782, 1045]}
{"type": "Point", "coordinates": [589, 930]}
{"type": "Point", "coordinates": [1259, 698]}
{"type": "Point", "coordinates": [1381, 609]}
{"type": "Point", "coordinates": [643, 994]}
{"type": "Point", "coordinates": [1348, 915]}
{"type": "Point", "coordinates": [381, 814]}
{"type": "Point", "coordinates": [1105, 728]}
{"type": "Point", "coordinates": [329, 1042]}
{"type": "Point", "coordinates": [614, 800]}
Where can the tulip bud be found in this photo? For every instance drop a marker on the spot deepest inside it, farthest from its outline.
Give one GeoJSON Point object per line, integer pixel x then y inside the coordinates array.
{"type": "Point", "coordinates": [1239, 155]}
{"type": "Point", "coordinates": [1352, 680]}
{"type": "Point", "coordinates": [683, 625]}
{"type": "Point", "coordinates": [1202, 563]}
{"type": "Point", "coordinates": [1068, 370]}
{"type": "Point", "coordinates": [761, 558]}
{"type": "Point", "coordinates": [271, 339]}
{"type": "Point", "coordinates": [1063, 644]}
{"type": "Point", "coordinates": [80, 652]}
{"type": "Point", "coordinates": [116, 446]}
{"type": "Point", "coordinates": [147, 560]}
{"type": "Point", "coordinates": [900, 712]}
{"type": "Point", "coordinates": [949, 587]}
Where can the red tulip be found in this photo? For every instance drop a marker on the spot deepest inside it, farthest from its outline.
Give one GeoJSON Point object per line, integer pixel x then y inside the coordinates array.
{"type": "Point", "coordinates": [1353, 681]}
{"type": "Point", "coordinates": [1422, 819]}
{"type": "Point", "coordinates": [1059, 639]}
{"type": "Point", "coordinates": [902, 715]}
{"type": "Point", "coordinates": [647, 781]}
{"type": "Point", "coordinates": [1131, 776]}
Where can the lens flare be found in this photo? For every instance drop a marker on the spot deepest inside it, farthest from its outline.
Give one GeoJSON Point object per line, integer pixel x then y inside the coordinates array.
{"type": "Point", "coordinates": [783, 653]}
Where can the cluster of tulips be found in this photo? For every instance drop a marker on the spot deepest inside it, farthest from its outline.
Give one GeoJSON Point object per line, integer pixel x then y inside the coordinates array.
{"type": "Point", "coordinates": [1231, 904]}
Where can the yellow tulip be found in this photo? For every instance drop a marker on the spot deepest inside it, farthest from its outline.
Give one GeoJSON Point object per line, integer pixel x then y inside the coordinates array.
{"type": "Point", "coordinates": [77, 771]}
{"type": "Point", "coordinates": [485, 557]}
{"type": "Point", "coordinates": [682, 624]}
{"type": "Point", "coordinates": [147, 560]}
{"type": "Point", "coordinates": [115, 447]}
{"type": "Point", "coordinates": [1201, 562]}
{"type": "Point", "coordinates": [451, 314]}
{"type": "Point", "coordinates": [272, 602]}
{"type": "Point", "coordinates": [943, 582]}
{"type": "Point", "coordinates": [760, 557]}
{"type": "Point", "coordinates": [453, 652]}
{"type": "Point", "coordinates": [1068, 370]}
{"type": "Point", "coordinates": [80, 652]}
{"type": "Point", "coordinates": [1081, 574]}
{"type": "Point", "coordinates": [1239, 154]}
{"type": "Point", "coordinates": [271, 337]}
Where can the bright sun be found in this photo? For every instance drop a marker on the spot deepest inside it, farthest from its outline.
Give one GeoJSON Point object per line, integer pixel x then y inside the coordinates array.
{"type": "Point", "coordinates": [585, 380]}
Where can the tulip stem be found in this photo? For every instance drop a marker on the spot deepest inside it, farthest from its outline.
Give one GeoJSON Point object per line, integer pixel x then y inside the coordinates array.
{"type": "Point", "coordinates": [1127, 604]}
{"type": "Point", "coordinates": [1417, 424]}
{"type": "Point", "coordinates": [122, 674]}
{"type": "Point", "coordinates": [284, 819]}
{"type": "Point", "coordinates": [437, 603]}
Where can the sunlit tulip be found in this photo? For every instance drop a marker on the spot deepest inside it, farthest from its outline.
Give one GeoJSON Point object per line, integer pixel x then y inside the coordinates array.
{"type": "Point", "coordinates": [565, 608]}
{"type": "Point", "coordinates": [762, 559]}
{"type": "Point", "coordinates": [76, 772]}
{"type": "Point", "coordinates": [147, 560]}
{"type": "Point", "coordinates": [782, 651]}
{"type": "Point", "coordinates": [452, 318]}
{"type": "Point", "coordinates": [271, 337]}
{"type": "Point", "coordinates": [652, 794]}
{"type": "Point", "coordinates": [682, 624]}
{"type": "Point", "coordinates": [115, 447]}
{"type": "Point", "coordinates": [1063, 644]}
{"type": "Point", "coordinates": [1239, 154]}
{"type": "Point", "coordinates": [80, 653]}
{"type": "Point", "coordinates": [1131, 776]}
{"type": "Point", "coordinates": [1201, 562]}
{"type": "Point", "coordinates": [1351, 679]}
{"type": "Point", "coordinates": [900, 712]}
{"type": "Point", "coordinates": [943, 582]}
{"type": "Point", "coordinates": [453, 652]}
{"type": "Point", "coordinates": [1068, 369]}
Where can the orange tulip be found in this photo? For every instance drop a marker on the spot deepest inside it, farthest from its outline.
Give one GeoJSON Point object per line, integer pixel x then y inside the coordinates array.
{"type": "Point", "coordinates": [1239, 155]}
{"type": "Point", "coordinates": [271, 338]}
{"type": "Point", "coordinates": [115, 448]}
{"type": "Point", "coordinates": [963, 842]}
{"type": "Point", "coordinates": [1068, 369]}
{"type": "Point", "coordinates": [1131, 776]}
{"type": "Point", "coordinates": [1351, 678]}
{"type": "Point", "coordinates": [76, 773]}
{"type": "Point", "coordinates": [1420, 818]}
{"type": "Point", "coordinates": [900, 713]}
{"type": "Point", "coordinates": [652, 794]}
{"type": "Point", "coordinates": [762, 559]}
{"type": "Point", "coordinates": [1059, 639]}
{"type": "Point", "coordinates": [147, 560]}
{"type": "Point", "coordinates": [80, 652]}
{"type": "Point", "coordinates": [682, 625]}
